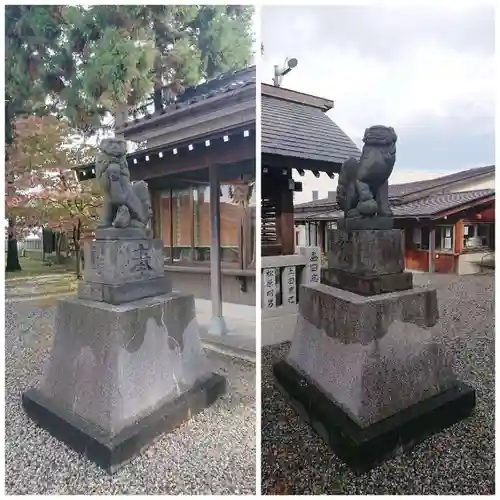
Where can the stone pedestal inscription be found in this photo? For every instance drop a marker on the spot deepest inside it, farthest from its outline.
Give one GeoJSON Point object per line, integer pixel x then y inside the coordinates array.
{"type": "Point", "coordinates": [116, 262]}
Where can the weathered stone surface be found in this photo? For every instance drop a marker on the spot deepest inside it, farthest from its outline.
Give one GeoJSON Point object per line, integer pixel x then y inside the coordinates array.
{"type": "Point", "coordinates": [125, 233]}
{"type": "Point", "coordinates": [127, 292]}
{"type": "Point", "coordinates": [367, 285]}
{"type": "Point", "coordinates": [352, 318]}
{"type": "Point", "coordinates": [116, 262]}
{"type": "Point", "coordinates": [113, 364]}
{"type": "Point", "coordinates": [375, 380]}
{"type": "Point", "coordinates": [366, 252]}
{"type": "Point", "coordinates": [363, 187]}
{"type": "Point", "coordinates": [366, 223]}
{"type": "Point", "coordinates": [125, 204]}
{"type": "Point", "coordinates": [362, 448]}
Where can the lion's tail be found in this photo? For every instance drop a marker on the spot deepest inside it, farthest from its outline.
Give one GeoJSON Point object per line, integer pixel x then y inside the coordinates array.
{"type": "Point", "coordinates": [346, 177]}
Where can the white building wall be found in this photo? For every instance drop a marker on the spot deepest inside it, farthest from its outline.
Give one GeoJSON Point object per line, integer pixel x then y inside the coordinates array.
{"type": "Point", "coordinates": [485, 183]}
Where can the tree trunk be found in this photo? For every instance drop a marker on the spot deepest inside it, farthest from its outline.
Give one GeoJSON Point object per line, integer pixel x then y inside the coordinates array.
{"type": "Point", "coordinates": [12, 253]}
{"type": "Point", "coordinates": [76, 240]}
{"type": "Point", "coordinates": [59, 240]}
{"type": "Point", "coordinates": [121, 117]}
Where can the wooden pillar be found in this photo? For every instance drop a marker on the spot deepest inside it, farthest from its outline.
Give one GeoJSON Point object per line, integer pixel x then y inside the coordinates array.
{"type": "Point", "coordinates": [403, 244]}
{"type": "Point", "coordinates": [156, 219]}
{"type": "Point", "coordinates": [432, 249]}
{"type": "Point", "coordinates": [193, 221]}
{"type": "Point", "coordinates": [321, 230]}
{"type": "Point", "coordinates": [171, 210]}
{"type": "Point", "coordinates": [217, 324]}
{"type": "Point", "coordinates": [287, 223]}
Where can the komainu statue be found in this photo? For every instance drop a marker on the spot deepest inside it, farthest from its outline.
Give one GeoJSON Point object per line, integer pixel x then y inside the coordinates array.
{"type": "Point", "coordinates": [126, 204]}
{"type": "Point", "coordinates": [363, 187]}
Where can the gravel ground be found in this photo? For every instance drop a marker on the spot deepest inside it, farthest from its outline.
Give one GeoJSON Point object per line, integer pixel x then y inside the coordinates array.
{"type": "Point", "coordinates": [213, 453]}
{"type": "Point", "coordinates": [459, 460]}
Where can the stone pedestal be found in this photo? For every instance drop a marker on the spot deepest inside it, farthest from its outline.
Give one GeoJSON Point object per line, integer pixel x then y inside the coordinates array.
{"type": "Point", "coordinates": [365, 368]}
{"type": "Point", "coordinates": [127, 362]}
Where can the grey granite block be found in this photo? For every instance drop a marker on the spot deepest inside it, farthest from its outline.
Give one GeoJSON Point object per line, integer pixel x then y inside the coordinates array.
{"type": "Point", "coordinates": [116, 262]}
{"type": "Point", "coordinates": [366, 223]}
{"type": "Point", "coordinates": [127, 292]}
{"type": "Point", "coordinates": [367, 285]}
{"type": "Point", "coordinates": [113, 364]}
{"type": "Point", "coordinates": [125, 233]}
{"type": "Point", "coordinates": [373, 381]}
{"type": "Point", "coordinates": [368, 252]}
{"type": "Point", "coordinates": [352, 318]}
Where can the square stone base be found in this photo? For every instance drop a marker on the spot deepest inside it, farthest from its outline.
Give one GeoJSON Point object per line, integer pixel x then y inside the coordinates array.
{"type": "Point", "coordinates": [364, 448]}
{"type": "Point", "coordinates": [114, 364]}
{"type": "Point", "coordinates": [113, 451]}
{"type": "Point", "coordinates": [126, 292]}
{"type": "Point", "coordinates": [354, 318]}
{"type": "Point", "coordinates": [367, 285]}
{"type": "Point", "coordinates": [366, 223]}
{"type": "Point", "coordinates": [367, 252]}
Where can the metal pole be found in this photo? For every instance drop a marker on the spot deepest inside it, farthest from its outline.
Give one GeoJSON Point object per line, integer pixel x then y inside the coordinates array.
{"type": "Point", "coordinates": [217, 324]}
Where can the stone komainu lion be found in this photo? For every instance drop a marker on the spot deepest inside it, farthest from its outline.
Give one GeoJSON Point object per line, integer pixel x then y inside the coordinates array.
{"type": "Point", "coordinates": [125, 204]}
{"type": "Point", "coordinates": [363, 187]}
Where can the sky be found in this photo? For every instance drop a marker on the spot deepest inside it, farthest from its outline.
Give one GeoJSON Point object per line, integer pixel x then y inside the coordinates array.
{"type": "Point", "coordinates": [427, 71]}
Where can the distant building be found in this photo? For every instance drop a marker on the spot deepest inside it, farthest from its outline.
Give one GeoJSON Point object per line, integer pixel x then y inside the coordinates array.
{"type": "Point", "coordinates": [448, 222]}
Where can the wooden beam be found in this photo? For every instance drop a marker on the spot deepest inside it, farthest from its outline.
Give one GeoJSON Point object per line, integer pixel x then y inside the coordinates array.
{"type": "Point", "coordinates": [279, 161]}
{"type": "Point", "coordinates": [297, 97]}
{"type": "Point", "coordinates": [194, 110]}
{"type": "Point", "coordinates": [238, 149]}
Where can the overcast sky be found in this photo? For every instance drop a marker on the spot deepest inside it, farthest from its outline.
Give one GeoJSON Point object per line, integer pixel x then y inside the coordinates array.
{"type": "Point", "coordinates": [427, 71]}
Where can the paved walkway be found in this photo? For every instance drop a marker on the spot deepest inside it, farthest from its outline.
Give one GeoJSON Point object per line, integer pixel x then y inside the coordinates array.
{"type": "Point", "coordinates": [240, 319]}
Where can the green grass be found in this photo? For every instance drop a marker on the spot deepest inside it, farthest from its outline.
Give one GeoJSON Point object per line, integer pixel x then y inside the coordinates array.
{"type": "Point", "coordinates": [35, 267]}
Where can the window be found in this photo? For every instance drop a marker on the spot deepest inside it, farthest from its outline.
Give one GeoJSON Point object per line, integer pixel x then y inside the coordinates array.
{"type": "Point", "coordinates": [186, 225]}
{"type": "Point", "coordinates": [420, 238]}
{"type": "Point", "coordinates": [444, 238]}
{"type": "Point", "coordinates": [477, 236]}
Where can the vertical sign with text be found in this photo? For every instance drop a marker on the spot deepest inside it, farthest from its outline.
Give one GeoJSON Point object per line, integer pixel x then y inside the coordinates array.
{"type": "Point", "coordinates": [289, 285]}
{"type": "Point", "coordinates": [269, 288]}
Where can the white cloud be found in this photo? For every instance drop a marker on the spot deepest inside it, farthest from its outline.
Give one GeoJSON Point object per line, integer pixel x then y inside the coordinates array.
{"type": "Point", "coordinates": [427, 71]}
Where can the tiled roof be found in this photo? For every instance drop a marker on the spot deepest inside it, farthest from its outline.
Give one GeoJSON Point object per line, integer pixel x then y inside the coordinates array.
{"type": "Point", "coordinates": [438, 203]}
{"type": "Point", "coordinates": [401, 190]}
{"type": "Point", "coordinates": [299, 130]}
{"type": "Point", "coordinates": [397, 190]}
{"type": "Point", "coordinates": [424, 207]}
{"type": "Point", "coordinates": [226, 82]}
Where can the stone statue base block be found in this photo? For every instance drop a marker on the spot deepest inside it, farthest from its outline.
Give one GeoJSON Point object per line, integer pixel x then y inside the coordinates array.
{"type": "Point", "coordinates": [111, 452]}
{"type": "Point", "coordinates": [362, 448]}
{"type": "Point", "coordinates": [120, 294]}
{"type": "Point", "coordinates": [114, 366]}
{"type": "Point", "coordinates": [369, 253]}
{"type": "Point", "coordinates": [366, 223]}
{"type": "Point", "coordinates": [371, 382]}
{"type": "Point", "coordinates": [120, 261]}
{"type": "Point", "coordinates": [367, 285]}
{"type": "Point", "coordinates": [125, 233]}
{"type": "Point", "coordinates": [355, 319]}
